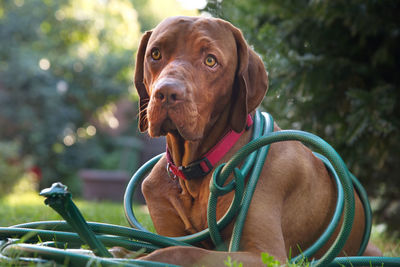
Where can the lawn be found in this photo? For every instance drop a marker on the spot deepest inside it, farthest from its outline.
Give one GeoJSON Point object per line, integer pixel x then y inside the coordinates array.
{"type": "Point", "coordinates": [25, 205]}
{"type": "Point", "coordinates": [29, 206]}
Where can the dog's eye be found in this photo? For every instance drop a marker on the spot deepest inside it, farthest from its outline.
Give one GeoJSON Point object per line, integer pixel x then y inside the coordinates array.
{"type": "Point", "coordinates": [210, 61]}
{"type": "Point", "coordinates": [155, 54]}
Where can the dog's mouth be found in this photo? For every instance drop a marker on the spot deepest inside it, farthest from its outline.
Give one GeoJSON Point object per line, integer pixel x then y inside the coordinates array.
{"type": "Point", "coordinates": [176, 125]}
{"type": "Point", "coordinates": [180, 119]}
{"type": "Point", "coordinates": [167, 127]}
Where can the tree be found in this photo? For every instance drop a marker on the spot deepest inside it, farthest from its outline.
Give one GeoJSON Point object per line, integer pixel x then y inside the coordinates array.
{"type": "Point", "coordinates": [333, 67]}
{"type": "Point", "coordinates": [61, 61]}
{"type": "Point", "coordinates": [62, 64]}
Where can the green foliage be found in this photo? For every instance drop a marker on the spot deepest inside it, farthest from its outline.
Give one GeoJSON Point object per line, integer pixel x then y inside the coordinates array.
{"type": "Point", "coordinates": [150, 12]}
{"type": "Point", "coordinates": [60, 61]}
{"type": "Point", "coordinates": [268, 260]}
{"type": "Point", "coordinates": [11, 167]}
{"type": "Point", "coordinates": [229, 263]}
{"type": "Point", "coordinates": [333, 68]}
{"type": "Point", "coordinates": [387, 242]}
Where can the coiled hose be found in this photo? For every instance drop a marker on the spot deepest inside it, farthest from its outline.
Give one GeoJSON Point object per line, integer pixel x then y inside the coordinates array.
{"type": "Point", "coordinates": [18, 243]}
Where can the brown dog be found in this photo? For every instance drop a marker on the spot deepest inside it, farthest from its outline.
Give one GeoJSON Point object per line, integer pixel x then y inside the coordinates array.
{"type": "Point", "coordinates": [198, 79]}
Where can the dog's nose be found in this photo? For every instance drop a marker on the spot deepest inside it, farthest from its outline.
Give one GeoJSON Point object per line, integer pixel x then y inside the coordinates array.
{"type": "Point", "coordinates": [169, 92]}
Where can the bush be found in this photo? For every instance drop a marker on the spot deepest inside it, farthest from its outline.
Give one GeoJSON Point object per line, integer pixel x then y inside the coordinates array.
{"type": "Point", "coordinates": [333, 68]}
{"type": "Point", "coordinates": [60, 63]}
{"type": "Point", "coordinates": [11, 166]}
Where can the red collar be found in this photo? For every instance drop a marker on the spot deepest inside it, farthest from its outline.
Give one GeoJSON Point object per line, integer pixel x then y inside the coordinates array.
{"type": "Point", "coordinates": [203, 166]}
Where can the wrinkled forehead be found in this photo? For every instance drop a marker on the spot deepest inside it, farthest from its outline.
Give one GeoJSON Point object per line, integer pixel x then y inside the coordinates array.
{"type": "Point", "coordinates": [193, 32]}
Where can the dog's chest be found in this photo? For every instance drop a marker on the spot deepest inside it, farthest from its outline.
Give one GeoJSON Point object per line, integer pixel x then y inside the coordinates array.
{"type": "Point", "coordinates": [196, 209]}
{"type": "Point", "coordinates": [195, 212]}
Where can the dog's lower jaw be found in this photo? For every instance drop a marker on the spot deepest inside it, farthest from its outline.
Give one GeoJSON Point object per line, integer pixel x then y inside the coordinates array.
{"type": "Point", "coordinates": [167, 127]}
{"type": "Point", "coordinates": [182, 119]}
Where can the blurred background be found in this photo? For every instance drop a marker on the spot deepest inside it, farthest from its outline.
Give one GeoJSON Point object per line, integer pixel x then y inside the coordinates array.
{"type": "Point", "coordinates": [68, 103]}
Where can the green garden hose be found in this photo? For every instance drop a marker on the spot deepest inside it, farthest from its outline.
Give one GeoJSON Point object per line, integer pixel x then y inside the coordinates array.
{"type": "Point", "coordinates": [18, 243]}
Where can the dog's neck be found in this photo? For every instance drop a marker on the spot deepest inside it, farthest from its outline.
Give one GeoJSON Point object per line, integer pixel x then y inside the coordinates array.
{"type": "Point", "coordinates": [184, 152]}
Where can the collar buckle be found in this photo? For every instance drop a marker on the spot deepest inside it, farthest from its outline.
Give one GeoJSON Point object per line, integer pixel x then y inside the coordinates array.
{"type": "Point", "coordinates": [171, 174]}
{"type": "Point", "coordinates": [197, 169]}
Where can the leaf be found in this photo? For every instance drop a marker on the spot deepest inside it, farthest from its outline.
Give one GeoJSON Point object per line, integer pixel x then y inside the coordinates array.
{"type": "Point", "coordinates": [268, 260]}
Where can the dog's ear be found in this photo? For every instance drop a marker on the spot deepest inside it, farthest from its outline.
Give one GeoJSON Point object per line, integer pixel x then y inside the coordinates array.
{"type": "Point", "coordinates": [251, 82]}
{"type": "Point", "coordinates": [140, 87]}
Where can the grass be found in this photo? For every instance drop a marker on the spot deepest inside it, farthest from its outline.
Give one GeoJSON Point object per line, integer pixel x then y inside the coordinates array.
{"type": "Point", "coordinates": [389, 244]}
{"type": "Point", "coordinates": [25, 205]}
{"type": "Point", "coordinates": [28, 207]}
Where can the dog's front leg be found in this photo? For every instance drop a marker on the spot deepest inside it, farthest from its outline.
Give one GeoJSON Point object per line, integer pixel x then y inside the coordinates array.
{"type": "Point", "coordinates": [193, 256]}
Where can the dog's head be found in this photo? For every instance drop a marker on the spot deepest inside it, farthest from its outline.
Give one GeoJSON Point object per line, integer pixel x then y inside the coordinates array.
{"type": "Point", "coordinates": [189, 70]}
